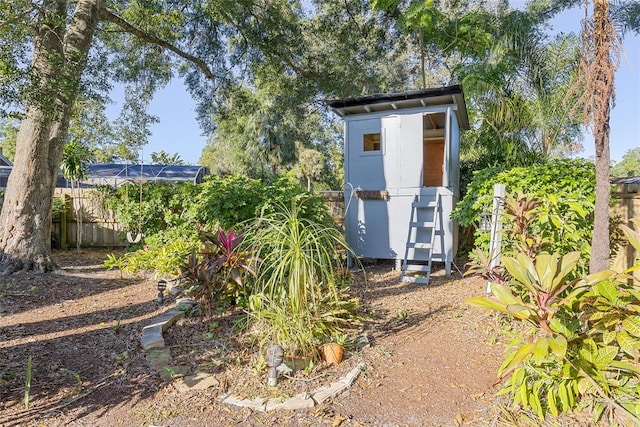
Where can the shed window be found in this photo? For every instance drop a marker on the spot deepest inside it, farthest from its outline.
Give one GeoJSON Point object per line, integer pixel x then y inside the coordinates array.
{"type": "Point", "coordinates": [371, 142]}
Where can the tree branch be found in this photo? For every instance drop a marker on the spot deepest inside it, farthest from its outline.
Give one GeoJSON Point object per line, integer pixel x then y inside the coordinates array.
{"type": "Point", "coordinates": [109, 16]}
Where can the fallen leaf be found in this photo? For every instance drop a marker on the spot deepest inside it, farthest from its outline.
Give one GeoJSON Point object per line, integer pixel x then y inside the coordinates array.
{"type": "Point", "coordinates": [407, 388]}
{"type": "Point", "coordinates": [337, 421]}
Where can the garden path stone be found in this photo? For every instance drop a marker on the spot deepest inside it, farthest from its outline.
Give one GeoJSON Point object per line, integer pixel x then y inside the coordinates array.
{"type": "Point", "coordinates": [152, 337]}
{"type": "Point", "coordinates": [256, 404]}
{"type": "Point", "coordinates": [324, 393]}
{"type": "Point", "coordinates": [299, 401]}
{"type": "Point", "coordinates": [199, 381]}
{"type": "Point", "coordinates": [159, 358]}
{"type": "Point", "coordinates": [152, 333]}
{"type": "Point", "coordinates": [352, 375]}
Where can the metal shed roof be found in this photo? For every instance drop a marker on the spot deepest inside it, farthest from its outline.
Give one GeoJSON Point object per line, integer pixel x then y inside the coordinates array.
{"type": "Point", "coordinates": [446, 95]}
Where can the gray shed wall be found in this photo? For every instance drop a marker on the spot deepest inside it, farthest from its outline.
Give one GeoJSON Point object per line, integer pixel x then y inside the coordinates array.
{"type": "Point", "coordinates": [377, 226]}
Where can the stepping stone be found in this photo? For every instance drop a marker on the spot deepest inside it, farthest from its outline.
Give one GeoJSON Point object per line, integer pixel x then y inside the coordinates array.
{"type": "Point", "coordinates": [199, 381]}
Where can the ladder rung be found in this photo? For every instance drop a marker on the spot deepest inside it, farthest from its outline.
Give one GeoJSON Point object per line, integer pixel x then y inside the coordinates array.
{"type": "Point", "coordinates": [416, 267]}
{"type": "Point", "coordinates": [423, 224]}
{"type": "Point", "coordinates": [419, 245]}
{"type": "Point", "coordinates": [423, 280]}
{"type": "Point", "coordinates": [424, 204]}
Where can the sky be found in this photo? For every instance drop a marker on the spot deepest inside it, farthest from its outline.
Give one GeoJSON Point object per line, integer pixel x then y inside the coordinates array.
{"type": "Point", "coordinates": [179, 132]}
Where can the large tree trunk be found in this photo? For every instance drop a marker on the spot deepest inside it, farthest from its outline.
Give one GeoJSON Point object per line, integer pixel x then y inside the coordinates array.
{"type": "Point", "coordinates": [59, 58]}
{"type": "Point", "coordinates": [603, 95]}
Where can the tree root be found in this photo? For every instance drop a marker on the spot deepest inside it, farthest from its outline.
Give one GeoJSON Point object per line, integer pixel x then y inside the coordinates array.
{"type": "Point", "coordinates": [40, 264]}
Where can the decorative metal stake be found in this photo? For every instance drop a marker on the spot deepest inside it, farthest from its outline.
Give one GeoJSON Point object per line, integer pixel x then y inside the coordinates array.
{"type": "Point", "coordinates": [275, 356]}
{"type": "Point", "coordinates": [162, 285]}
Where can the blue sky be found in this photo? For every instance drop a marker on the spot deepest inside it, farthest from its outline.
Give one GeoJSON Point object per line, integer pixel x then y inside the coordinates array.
{"type": "Point", "coordinates": [178, 130]}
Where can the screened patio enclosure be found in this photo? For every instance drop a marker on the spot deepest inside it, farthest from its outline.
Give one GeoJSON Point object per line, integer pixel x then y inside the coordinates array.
{"type": "Point", "coordinates": [114, 175]}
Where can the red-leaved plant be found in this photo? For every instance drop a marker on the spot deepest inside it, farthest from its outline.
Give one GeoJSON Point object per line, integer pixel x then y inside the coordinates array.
{"type": "Point", "coordinates": [216, 272]}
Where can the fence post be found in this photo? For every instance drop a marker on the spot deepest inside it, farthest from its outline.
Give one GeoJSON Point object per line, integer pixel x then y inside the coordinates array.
{"type": "Point", "coordinates": [63, 222]}
{"type": "Point", "coordinates": [496, 229]}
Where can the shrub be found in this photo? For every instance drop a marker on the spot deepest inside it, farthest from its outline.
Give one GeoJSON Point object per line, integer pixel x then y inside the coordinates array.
{"type": "Point", "coordinates": [299, 303]}
{"type": "Point", "coordinates": [562, 197]}
{"type": "Point", "coordinates": [163, 254]}
{"type": "Point", "coordinates": [161, 206]}
{"type": "Point", "coordinates": [226, 202]}
{"type": "Point", "coordinates": [215, 272]}
{"type": "Point", "coordinates": [581, 342]}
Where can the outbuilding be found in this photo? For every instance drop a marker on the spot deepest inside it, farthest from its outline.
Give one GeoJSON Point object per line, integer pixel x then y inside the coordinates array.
{"type": "Point", "coordinates": [402, 163]}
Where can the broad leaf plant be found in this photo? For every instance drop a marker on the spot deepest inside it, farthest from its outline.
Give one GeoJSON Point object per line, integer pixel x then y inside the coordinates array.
{"type": "Point", "coordinates": [580, 347]}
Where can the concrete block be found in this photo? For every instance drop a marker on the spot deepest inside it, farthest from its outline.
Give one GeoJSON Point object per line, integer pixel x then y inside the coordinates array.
{"type": "Point", "coordinates": [183, 304]}
{"type": "Point", "coordinates": [152, 337]}
{"type": "Point", "coordinates": [352, 375]}
{"type": "Point", "coordinates": [324, 393]}
{"type": "Point", "coordinates": [299, 401]}
{"type": "Point", "coordinates": [256, 404]}
{"type": "Point", "coordinates": [175, 316]}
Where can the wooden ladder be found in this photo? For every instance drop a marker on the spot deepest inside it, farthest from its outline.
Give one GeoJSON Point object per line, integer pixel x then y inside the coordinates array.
{"type": "Point", "coordinates": [425, 215]}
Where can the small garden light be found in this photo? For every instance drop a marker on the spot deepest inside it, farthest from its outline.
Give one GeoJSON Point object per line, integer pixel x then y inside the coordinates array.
{"type": "Point", "coordinates": [275, 356]}
{"type": "Point", "coordinates": [162, 285]}
{"type": "Point", "coordinates": [485, 221]}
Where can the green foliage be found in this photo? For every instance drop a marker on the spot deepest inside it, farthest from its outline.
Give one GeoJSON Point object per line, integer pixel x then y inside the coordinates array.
{"type": "Point", "coordinates": [162, 205]}
{"type": "Point", "coordinates": [163, 253]}
{"type": "Point", "coordinates": [90, 124]}
{"type": "Point", "coordinates": [232, 200]}
{"type": "Point", "coordinates": [225, 201]}
{"type": "Point", "coordinates": [215, 272]}
{"type": "Point", "coordinates": [300, 303]}
{"type": "Point", "coordinates": [171, 216]}
{"type": "Point", "coordinates": [75, 161]}
{"type": "Point", "coordinates": [562, 214]}
{"type": "Point", "coordinates": [583, 340]}
{"type": "Point", "coordinates": [163, 158]}
{"type": "Point", "coordinates": [58, 206]}
{"type": "Point", "coordinates": [298, 254]}
{"type": "Point", "coordinates": [300, 332]}
{"type": "Point", "coordinates": [310, 165]}
{"type": "Point", "coordinates": [8, 134]}
{"type": "Point", "coordinates": [284, 191]}
{"type": "Point", "coordinates": [575, 178]}
{"type": "Point", "coordinates": [629, 165]}
{"type": "Point", "coordinates": [75, 166]}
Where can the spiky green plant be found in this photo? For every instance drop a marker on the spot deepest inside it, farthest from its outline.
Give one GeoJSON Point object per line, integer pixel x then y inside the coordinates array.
{"type": "Point", "coordinates": [299, 256]}
{"type": "Point", "coordinates": [298, 303]}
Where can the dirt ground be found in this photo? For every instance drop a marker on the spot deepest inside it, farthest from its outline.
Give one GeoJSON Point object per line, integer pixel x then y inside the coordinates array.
{"type": "Point", "coordinates": [431, 362]}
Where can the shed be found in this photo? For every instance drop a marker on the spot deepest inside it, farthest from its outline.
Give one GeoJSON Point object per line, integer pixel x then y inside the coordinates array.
{"type": "Point", "coordinates": [401, 163]}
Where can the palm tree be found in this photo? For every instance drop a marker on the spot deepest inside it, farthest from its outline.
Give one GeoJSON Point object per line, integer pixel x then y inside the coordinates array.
{"type": "Point", "coordinates": [74, 167]}
{"type": "Point", "coordinates": [598, 65]}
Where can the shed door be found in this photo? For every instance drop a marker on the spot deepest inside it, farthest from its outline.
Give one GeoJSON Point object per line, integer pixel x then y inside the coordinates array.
{"type": "Point", "coordinates": [433, 160]}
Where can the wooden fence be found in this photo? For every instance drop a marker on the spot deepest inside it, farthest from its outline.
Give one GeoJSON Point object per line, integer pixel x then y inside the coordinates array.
{"type": "Point", "coordinates": [626, 206]}
{"type": "Point", "coordinates": [99, 225]}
